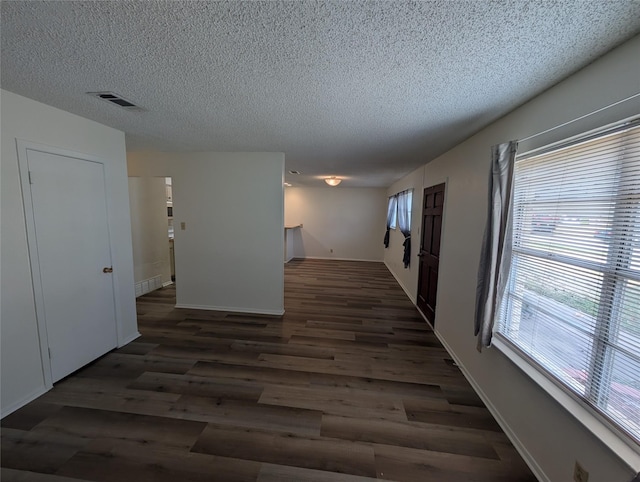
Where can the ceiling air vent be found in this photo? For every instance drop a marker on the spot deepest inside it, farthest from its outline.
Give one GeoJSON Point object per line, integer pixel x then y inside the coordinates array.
{"type": "Point", "coordinates": [114, 98]}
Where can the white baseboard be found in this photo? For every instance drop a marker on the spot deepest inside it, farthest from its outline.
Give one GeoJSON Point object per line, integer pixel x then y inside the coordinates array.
{"type": "Point", "coordinates": [129, 339]}
{"type": "Point", "coordinates": [339, 259]}
{"type": "Point", "coordinates": [167, 283]}
{"type": "Point", "coordinates": [519, 446]}
{"type": "Point", "coordinates": [21, 403]}
{"type": "Point", "coordinates": [231, 309]}
{"type": "Point", "coordinates": [404, 288]}
{"type": "Point", "coordinates": [424, 317]}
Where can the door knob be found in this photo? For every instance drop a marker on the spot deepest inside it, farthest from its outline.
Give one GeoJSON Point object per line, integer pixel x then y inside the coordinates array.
{"type": "Point", "coordinates": [108, 270]}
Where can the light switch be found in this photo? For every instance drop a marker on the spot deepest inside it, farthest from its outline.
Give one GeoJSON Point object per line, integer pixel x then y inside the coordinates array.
{"type": "Point", "coordinates": [183, 225]}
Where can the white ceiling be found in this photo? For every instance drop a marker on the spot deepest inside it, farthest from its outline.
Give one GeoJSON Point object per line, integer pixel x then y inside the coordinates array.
{"type": "Point", "coordinates": [367, 90]}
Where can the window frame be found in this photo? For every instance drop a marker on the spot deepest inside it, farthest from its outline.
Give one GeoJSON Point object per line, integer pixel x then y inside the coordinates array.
{"type": "Point", "coordinates": [608, 430]}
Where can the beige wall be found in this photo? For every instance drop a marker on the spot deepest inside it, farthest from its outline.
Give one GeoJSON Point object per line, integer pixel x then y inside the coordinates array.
{"type": "Point", "coordinates": [149, 228]}
{"type": "Point", "coordinates": [349, 221]}
{"type": "Point", "coordinates": [22, 118]}
{"type": "Point", "coordinates": [550, 438]}
{"type": "Point", "coordinates": [230, 255]}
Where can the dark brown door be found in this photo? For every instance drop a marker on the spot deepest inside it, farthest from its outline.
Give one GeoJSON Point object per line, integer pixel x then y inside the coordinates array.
{"type": "Point", "coordinates": [429, 254]}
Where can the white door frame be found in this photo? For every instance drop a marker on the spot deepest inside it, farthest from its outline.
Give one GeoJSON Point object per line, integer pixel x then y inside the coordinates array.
{"type": "Point", "coordinates": [22, 148]}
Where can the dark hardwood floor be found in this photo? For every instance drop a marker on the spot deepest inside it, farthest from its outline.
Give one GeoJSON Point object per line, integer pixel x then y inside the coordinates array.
{"type": "Point", "coordinates": [349, 385]}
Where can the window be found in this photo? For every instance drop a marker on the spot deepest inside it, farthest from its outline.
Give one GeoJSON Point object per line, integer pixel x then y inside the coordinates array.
{"type": "Point", "coordinates": [405, 199]}
{"type": "Point", "coordinates": [392, 212]}
{"type": "Point", "coordinates": [572, 302]}
{"type": "Point", "coordinates": [400, 206]}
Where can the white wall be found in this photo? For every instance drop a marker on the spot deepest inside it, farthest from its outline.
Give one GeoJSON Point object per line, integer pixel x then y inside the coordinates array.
{"type": "Point", "coordinates": [550, 437]}
{"type": "Point", "coordinates": [149, 228]}
{"type": "Point", "coordinates": [230, 256]}
{"type": "Point", "coordinates": [22, 118]}
{"type": "Point", "coordinates": [349, 221]}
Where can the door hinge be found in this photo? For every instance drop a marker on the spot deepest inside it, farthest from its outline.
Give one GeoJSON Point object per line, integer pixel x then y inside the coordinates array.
{"type": "Point", "coordinates": [30, 178]}
{"type": "Point", "coordinates": [49, 353]}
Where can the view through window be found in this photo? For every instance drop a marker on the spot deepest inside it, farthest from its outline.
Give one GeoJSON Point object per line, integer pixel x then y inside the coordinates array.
{"type": "Point", "coordinates": [572, 302]}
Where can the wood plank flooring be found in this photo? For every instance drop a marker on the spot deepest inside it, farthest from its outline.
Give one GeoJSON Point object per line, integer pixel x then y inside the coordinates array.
{"type": "Point", "coordinates": [349, 385]}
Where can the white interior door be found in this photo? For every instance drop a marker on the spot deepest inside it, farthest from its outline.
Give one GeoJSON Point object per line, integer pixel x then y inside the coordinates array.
{"type": "Point", "coordinates": [68, 200]}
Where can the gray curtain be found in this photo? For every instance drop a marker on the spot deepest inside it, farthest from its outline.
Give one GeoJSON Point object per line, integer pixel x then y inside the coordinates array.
{"type": "Point", "coordinates": [405, 198]}
{"type": "Point", "coordinates": [391, 214]}
{"type": "Point", "coordinates": [495, 257]}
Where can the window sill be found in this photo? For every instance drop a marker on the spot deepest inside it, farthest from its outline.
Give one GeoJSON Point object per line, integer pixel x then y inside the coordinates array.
{"type": "Point", "coordinates": [618, 443]}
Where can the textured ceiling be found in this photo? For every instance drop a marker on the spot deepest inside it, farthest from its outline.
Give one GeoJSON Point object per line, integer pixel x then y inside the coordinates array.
{"type": "Point", "coordinates": [367, 91]}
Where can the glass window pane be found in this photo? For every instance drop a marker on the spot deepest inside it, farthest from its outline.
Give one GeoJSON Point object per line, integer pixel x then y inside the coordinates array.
{"type": "Point", "coordinates": [628, 334]}
{"type": "Point", "coordinates": [622, 400]}
{"type": "Point", "coordinates": [560, 348]}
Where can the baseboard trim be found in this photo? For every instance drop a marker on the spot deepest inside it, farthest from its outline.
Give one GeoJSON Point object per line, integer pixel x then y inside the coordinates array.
{"type": "Point", "coordinates": [167, 283]}
{"type": "Point", "coordinates": [519, 446]}
{"type": "Point", "coordinates": [424, 317]}
{"type": "Point", "coordinates": [231, 309]}
{"type": "Point", "coordinates": [339, 259]}
{"type": "Point", "coordinates": [404, 288]}
{"type": "Point", "coordinates": [129, 339]}
{"type": "Point", "coordinates": [21, 403]}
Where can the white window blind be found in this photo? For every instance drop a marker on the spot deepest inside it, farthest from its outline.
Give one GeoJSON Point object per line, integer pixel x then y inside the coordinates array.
{"type": "Point", "coordinates": [572, 302]}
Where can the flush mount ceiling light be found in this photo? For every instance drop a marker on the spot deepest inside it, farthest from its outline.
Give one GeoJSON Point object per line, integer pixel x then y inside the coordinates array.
{"type": "Point", "coordinates": [332, 181]}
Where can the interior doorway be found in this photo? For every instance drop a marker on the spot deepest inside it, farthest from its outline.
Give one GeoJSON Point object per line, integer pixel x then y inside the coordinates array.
{"type": "Point", "coordinates": [429, 255]}
{"type": "Point", "coordinates": [151, 203]}
{"type": "Point", "coordinates": [172, 257]}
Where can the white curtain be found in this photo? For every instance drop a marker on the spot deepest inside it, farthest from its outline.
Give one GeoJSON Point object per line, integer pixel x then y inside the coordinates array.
{"type": "Point", "coordinates": [404, 223]}
{"type": "Point", "coordinates": [391, 218]}
{"type": "Point", "coordinates": [495, 257]}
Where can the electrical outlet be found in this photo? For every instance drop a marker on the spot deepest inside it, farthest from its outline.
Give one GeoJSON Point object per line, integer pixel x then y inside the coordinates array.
{"type": "Point", "coordinates": [183, 225]}
{"type": "Point", "coordinates": [580, 474]}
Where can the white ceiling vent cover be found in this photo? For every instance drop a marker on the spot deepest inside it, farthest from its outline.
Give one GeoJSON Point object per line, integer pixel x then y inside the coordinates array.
{"type": "Point", "coordinates": [116, 99]}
